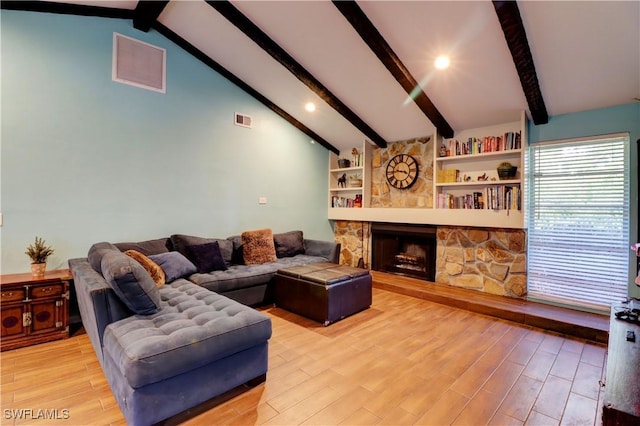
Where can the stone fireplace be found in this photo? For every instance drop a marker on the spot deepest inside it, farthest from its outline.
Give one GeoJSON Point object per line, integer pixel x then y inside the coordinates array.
{"type": "Point", "coordinates": [483, 259]}
{"type": "Point", "coordinates": [404, 249]}
{"type": "Point", "coordinates": [490, 260]}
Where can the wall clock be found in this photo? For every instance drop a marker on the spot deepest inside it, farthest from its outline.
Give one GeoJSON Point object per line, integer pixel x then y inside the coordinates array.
{"type": "Point", "coordinates": [402, 171]}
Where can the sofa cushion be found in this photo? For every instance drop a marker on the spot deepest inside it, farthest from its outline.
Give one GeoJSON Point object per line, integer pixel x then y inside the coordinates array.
{"type": "Point", "coordinates": [207, 257]}
{"type": "Point", "coordinates": [174, 265]}
{"type": "Point", "coordinates": [194, 327]}
{"type": "Point", "coordinates": [160, 245]}
{"type": "Point", "coordinates": [289, 244]}
{"type": "Point", "coordinates": [153, 269]}
{"type": "Point", "coordinates": [96, 252]}
{"type": "Point", "coordinates": [258, 247]}
{"type": "Point", "coordinates": [237, 277]}
{"type": "Point", "coordinates": [130, 282]}
{"type": "Point", "coordinates": [181, 242]}
{"type": "Point", "coordinates": [237, 257]}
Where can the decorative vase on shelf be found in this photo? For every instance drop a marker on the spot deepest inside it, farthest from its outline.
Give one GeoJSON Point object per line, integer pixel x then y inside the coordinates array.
{"type": "Point", "coordinates": [506, 171]}
{"type": "Point", "coordinates": [38, 269]}
{"type": "Point", "coordinates": [38, 252]}
{"type": "Point", "coordinates": [344, 163]}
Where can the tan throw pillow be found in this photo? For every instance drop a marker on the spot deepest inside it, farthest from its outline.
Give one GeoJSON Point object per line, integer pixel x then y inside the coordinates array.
{"type": "Point", "coordinates": [258, 247]}
{"type": "Point", "coordinates": [149, 265]}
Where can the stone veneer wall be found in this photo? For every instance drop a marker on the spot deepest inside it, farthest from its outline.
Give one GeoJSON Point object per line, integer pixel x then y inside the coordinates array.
{"type": "Point", "coordinates": [355, 238]}
{"type": "Point", "coordinates": [420, 194]}
{"type": "Point", "coordinates": [489, 260]}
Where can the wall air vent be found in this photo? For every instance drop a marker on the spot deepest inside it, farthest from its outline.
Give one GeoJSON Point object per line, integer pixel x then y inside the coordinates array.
{"type": "Point", "coordinates": [243, 120]}
{"type": "Point", "coordinates": [139, 64]}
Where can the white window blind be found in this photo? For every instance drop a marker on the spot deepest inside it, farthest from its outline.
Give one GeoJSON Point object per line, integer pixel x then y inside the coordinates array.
{"type": "Point", "coordinates": [578, 218]}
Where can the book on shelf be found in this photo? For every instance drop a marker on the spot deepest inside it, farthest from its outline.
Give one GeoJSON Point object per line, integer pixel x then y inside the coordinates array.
{"type": "Point", "coordinates": [505, 142]}
{"type": "Point", "coordinates": [447, 176]}
{"type": "Point", "coordinates": [504, 197]}
{"type": "Point", "coordinates": [478, 200]}
{"type": "Point", "coordinates": [345, 202]}
{"type": "Point", "coordinates": [494, 197]}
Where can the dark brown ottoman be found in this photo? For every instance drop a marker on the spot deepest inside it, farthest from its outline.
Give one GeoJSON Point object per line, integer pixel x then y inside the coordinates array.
{"type": "Point", "coordinates": [323, 291]}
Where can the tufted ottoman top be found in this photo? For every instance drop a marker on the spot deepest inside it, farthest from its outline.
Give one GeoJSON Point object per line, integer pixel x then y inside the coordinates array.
{"type": "Point", "coordinates": [193, 327]}
{"type": "Point", "coordinates": [324, 273]}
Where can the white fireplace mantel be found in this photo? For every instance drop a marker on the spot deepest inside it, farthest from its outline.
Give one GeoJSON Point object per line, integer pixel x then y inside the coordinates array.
{"type": "Point", "coordinates": [429, 216]}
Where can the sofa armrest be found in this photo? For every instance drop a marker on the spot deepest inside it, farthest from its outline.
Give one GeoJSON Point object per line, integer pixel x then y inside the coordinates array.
{"type": "Point", "coordinates": [328, 249]}
{"type": "Point", "coordinates": [98, 304]}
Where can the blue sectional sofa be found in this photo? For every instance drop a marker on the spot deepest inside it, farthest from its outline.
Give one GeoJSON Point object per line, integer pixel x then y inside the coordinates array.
{"type": "Point", "coordinates": [165, 349]}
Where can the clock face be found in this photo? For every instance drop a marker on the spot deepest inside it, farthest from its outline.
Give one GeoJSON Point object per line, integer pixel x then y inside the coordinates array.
{"type": "Point", "coordinates": [402, 171]}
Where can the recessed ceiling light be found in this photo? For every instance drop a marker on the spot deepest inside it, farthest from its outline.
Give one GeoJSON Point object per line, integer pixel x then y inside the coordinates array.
{"type": "Point", "coordinates": [442, 62]}
{"type": "Point", "coordinates": [310, 106]}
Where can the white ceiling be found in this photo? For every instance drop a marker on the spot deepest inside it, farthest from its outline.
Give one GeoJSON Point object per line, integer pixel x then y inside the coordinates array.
{"type": "Point", "coordinates": [586, 54]}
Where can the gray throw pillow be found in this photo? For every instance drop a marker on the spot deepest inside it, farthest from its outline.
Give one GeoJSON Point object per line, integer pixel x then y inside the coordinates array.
{"type": "Point", "coordinates": [289, 244]}
{"type": "Point", "coordinates": [174, 265]}
{"type": "Point", "coordinates": [131, 283]}
{"type": "Point", "coordinates": [96, 252]}
{"type": "Point", "coordinates": [237, 258]}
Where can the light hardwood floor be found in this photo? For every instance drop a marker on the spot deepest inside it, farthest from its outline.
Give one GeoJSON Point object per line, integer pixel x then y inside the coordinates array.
{"type": "Point", "coordinates": [403, 361]}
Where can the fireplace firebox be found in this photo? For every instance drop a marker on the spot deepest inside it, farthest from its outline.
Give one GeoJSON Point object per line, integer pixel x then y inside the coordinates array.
{"type": "Point", "coordinates": [404, 249]}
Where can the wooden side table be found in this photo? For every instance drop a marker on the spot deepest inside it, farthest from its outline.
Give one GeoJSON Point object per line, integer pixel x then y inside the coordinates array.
{"type": "Point", "coordinates": [34, 310]}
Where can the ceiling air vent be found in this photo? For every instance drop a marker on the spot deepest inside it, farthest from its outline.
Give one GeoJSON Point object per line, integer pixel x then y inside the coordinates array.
{"type": "Point", "coordinates": [138, 64]}
{"type": "Point", "coordinates": [243, 120]}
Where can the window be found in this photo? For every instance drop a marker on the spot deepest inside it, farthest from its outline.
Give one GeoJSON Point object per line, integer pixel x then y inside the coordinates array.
{"type": "Point", "coordinates": [578, 219]}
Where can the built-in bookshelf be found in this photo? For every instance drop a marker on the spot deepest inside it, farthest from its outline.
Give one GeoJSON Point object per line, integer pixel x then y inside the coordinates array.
{"type": "Point", "coordinates": [466, 170]}
{"type": "Point", "coordinates": [463, 181]}
{"type": "Point", "coordinates": [350, 183]}
{"type": "Point", "coordinates": [473, 182]}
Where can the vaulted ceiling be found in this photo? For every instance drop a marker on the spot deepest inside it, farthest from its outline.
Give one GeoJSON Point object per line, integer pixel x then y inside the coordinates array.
{"type": "Point", "coordinates": [368, 66]}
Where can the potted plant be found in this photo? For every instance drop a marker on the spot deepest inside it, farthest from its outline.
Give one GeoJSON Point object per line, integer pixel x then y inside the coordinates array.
{"type": "Point", "coordinates": [38, 252]}
{"type": "Point", "coordinates": [506, 170]}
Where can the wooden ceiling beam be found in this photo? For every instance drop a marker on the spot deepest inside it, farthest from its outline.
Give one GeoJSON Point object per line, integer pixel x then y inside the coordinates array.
{"type": "Point", "coordinates": [251, 30]}
{"type": "Point", "coordinates": [198, 54]}
{"type": "Point", "coordinates": [67, 9]}
{"type": "Point", "coordinates": [146, 13]}
{"type": "Point", "coordinates": [376, 42]}
{"type": "Point", "coordinates": [516, 37]}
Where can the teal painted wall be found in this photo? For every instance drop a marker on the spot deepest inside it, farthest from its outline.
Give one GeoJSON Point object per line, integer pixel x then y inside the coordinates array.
{"type": "Point", "coordinates": [85, 159]}
{"type": "Point", "coordinates": [617, 119]}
